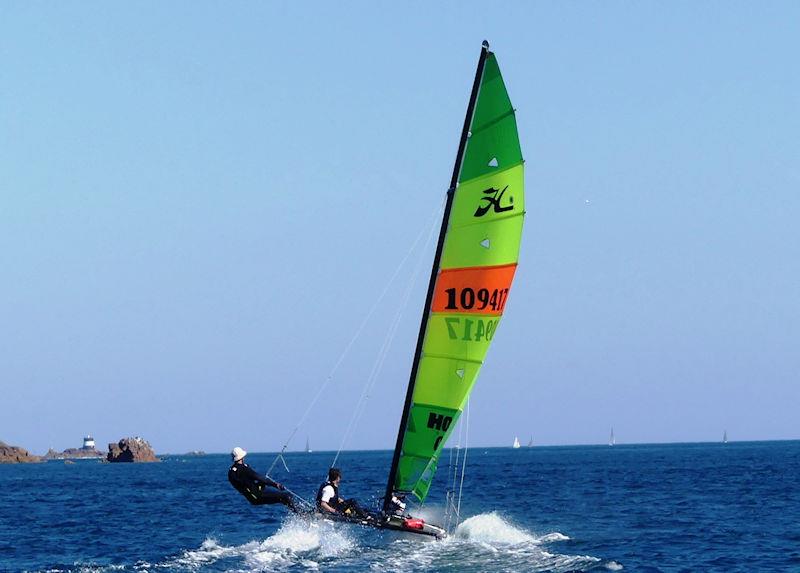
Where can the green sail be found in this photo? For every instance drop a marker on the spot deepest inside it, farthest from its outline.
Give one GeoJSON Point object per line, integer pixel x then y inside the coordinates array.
{"type": "Point", "coordinates": [476, 268]}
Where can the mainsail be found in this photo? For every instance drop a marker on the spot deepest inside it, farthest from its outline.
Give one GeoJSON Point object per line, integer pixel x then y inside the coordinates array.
{"type": "Point", "coordinates": [473, 268]}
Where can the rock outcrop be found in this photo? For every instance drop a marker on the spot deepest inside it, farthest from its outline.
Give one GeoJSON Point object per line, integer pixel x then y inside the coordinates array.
{"type": "Point", "coordinates": [73, 453]}
{"type": "Point", "coordinates": [131, 450]}
{"type": "Point", "coordinates": [15, 455]}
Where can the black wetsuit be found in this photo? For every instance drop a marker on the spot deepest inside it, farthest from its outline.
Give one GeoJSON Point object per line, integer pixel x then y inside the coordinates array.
{"type": "Point", "coordinates": [257, 489]}
{"type": "Point", "coordinates": [346, 507]}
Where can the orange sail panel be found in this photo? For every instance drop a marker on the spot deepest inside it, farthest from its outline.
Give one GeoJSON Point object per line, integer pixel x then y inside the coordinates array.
{"type": "Point", "coordinates": [482, 290]}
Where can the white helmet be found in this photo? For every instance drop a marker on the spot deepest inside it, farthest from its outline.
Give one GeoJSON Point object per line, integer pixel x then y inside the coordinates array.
{"type": "Point", "coordinates": [238, 454]}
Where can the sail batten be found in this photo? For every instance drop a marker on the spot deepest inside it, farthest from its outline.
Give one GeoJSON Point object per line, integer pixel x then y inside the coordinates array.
{"type": "Point", "coordinates": [474, 267]}
{"type": "Point", "coordinates": [448, 357]}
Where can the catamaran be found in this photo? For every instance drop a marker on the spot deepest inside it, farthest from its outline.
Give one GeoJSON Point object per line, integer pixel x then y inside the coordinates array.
{"type": "Point", "coordinates": [476, 257]}
{"type": "Point", "coordinates": [473, 268]}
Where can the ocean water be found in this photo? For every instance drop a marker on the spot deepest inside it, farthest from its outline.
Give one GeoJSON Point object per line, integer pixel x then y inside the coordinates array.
{"type": "Point", "coordinates": [677, 507]}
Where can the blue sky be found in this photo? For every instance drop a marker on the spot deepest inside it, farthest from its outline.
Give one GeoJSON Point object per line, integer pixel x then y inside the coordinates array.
{"type": "Point", "coordinates": [198, 207]}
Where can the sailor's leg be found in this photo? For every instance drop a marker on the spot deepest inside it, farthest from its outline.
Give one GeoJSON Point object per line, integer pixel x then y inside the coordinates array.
{"type": "Point", "coordinates": [355, 508]}
{"type": "Point", "coordinates": [270, 497]}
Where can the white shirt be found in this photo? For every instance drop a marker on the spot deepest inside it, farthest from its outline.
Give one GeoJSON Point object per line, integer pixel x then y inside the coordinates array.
{"type": "Point", "coordinates": [327, 493]}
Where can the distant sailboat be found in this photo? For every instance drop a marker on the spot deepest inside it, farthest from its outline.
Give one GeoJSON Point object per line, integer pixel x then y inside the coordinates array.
{"type": "Point", "coordinates": [516, 443]}
{"type": "Point", "coordinates": [725, 437]}
{"type": "Point", "coordinates": [530, 442]}
{"type": "Point", "coordinates": [308, 447]}
{"type": "Point", "coordinates": [611, 440]}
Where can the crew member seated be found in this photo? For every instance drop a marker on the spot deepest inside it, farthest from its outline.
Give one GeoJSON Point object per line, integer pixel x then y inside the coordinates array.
{"type": "Point", "coordinates": [256, 489]}
{"type": "Point", "coordinates": [397, 505]}
{"type": "Point", "coordinates": [328, 500]}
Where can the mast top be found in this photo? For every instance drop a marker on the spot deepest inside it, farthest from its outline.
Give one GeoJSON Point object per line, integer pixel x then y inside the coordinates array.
{"type": "Point", "coordinates": [485, 44]}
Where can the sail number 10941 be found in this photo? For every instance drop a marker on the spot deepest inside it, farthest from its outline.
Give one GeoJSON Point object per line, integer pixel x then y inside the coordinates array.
{"type": "Point", "coordinates": [469, 299]}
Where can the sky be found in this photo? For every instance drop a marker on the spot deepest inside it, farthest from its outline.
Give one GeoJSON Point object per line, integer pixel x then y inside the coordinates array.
{"type": "Point", "coordinates": [201, 204]}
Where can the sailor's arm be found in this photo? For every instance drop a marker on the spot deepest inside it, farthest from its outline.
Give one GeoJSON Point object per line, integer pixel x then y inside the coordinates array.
{"type": "Point", "coordinates": [271, 482]}
{"type": "Point", "coordinates": [257, 478]}
{"type": "Point", "coordinates": [324, 505]}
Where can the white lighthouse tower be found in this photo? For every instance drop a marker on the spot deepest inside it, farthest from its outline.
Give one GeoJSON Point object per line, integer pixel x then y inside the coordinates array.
{"type": "Point", "coordinates": [88, 443]}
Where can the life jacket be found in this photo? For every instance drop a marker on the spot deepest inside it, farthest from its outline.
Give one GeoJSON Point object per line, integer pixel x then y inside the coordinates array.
{"type": "Point", "coordinates": [334, 501]}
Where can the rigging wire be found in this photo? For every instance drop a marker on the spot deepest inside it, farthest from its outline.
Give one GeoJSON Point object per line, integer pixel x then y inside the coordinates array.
{"type": "Point", "coordinates": [348, 347]}
{"type": "Point", "coordinates": [384, 351]}
{"type": "Point", "coordinates": [450, 505]}
{"type": "Point", "coordinates": [371, 379]}
{"type": "Point", "coordinates": [361, 404]}
{"type": "Point", "coordinates": [300, 498]}
{"type": "Point", "coordinates": [463, 466]}
{"type": "Point", "coordinates": [448, 492]}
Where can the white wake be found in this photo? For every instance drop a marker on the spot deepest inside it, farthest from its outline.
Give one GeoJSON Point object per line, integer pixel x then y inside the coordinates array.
{"type": "Point", "coordinates": [485, 542]}
{"type": "Point", "coordinates": [298, 543]}
{"type": "Point", "coordinates": [491, 528]}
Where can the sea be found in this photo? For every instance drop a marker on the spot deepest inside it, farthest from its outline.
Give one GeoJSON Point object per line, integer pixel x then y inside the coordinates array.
{"type": "Point", "coordinates": [667, 507]}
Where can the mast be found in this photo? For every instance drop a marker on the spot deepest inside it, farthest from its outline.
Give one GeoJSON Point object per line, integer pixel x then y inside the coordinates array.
{"type": "Point", "coordinates": [434, 272]}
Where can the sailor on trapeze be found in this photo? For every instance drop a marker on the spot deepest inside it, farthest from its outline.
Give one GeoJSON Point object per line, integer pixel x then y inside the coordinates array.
{"type": "Point", "coordinates": [256, 489]}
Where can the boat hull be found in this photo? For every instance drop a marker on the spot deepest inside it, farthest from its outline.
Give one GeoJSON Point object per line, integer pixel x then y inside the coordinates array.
{"type": "Point", "coordinates": [390, 522]}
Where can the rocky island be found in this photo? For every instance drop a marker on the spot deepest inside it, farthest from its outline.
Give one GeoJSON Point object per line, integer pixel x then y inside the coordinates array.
{"type": "Point", "coordinates": [131, 450]}
{"type": "Point", "coordinates": [73, 453]}
{"type": "Point", "coordinates": [15, 455]}
{"type": "Point", "coordinates": [87, 451]}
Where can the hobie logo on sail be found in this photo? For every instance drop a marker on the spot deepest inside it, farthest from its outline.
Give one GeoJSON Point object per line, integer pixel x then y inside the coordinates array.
{"type": "Point", "coordinates": [493, 198]}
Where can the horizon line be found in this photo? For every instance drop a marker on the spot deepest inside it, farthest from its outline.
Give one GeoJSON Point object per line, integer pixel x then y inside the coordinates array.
{"type": "Point", "coordinates": [604, 445]}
